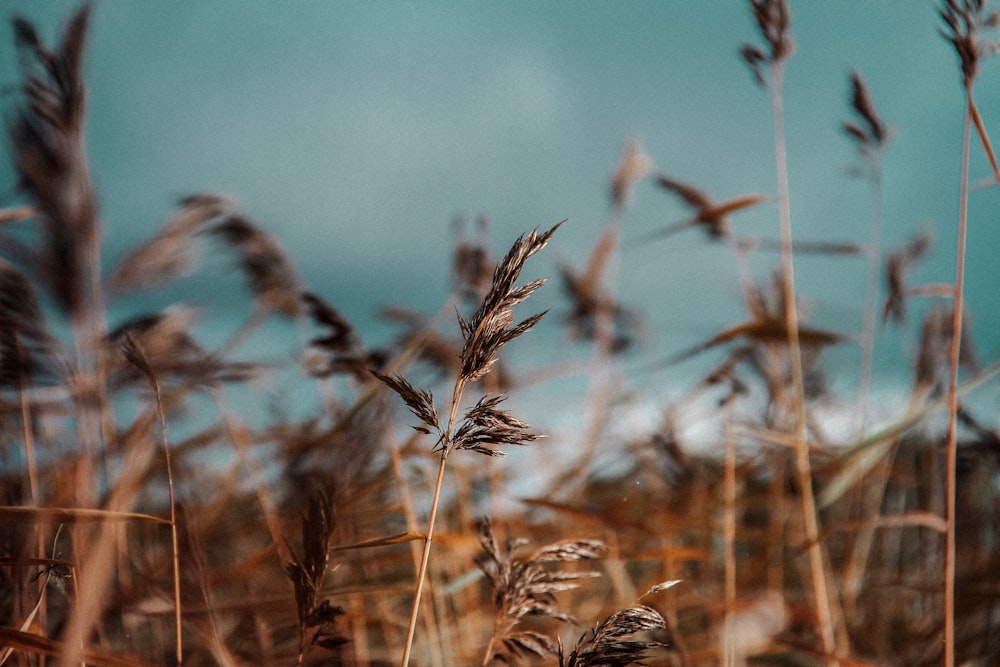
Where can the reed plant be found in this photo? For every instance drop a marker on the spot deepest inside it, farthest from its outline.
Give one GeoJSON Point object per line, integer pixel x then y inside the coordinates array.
{"type": "Point", "coordinates": [159, 506]}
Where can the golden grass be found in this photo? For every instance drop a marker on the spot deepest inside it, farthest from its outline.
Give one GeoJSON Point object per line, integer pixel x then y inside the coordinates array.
{"type": "Point", "coordinates": [148, 516]}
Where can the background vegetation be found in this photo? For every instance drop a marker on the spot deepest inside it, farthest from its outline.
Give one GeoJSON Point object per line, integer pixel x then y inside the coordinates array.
{"type": "Point", "coordinates": [155, 510]}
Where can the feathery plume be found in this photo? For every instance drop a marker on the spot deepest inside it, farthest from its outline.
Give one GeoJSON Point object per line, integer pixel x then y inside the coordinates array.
{"type": "Point", "coordinates": [773, 19]}
{"type": "Point", "coordinates": [871, 134]}
{"type": "Point", "coordinates": [269, 271]}
{"type": "Point", "coordinates": [610, 643]}
{"type": "Point", "coordinates": [306, 572]}
{"type": "Point", "coordinates": [964, 20]}
{"type": "Point", "coordinates": [169, 254]}
{"type": "Point", "coordinates": [47, 142]}
{"type": "Point", "coordinates": [492, 327]}
{"type": "Point", "coordinates": [527, 586]}
{"type": "Point", "coordinates": [338, 349]}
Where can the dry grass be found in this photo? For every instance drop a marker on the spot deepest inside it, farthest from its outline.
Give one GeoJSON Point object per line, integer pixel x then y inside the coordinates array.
{"type": "Point", "coordinates": [151, 514]}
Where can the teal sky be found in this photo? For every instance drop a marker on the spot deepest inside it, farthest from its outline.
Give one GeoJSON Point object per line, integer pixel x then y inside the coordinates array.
{"type": "Point", "coordinates": [356, 131]}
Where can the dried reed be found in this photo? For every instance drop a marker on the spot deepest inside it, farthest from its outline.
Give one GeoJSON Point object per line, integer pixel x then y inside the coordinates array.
{"type": "Point", "coordinates": [483, 428]}
{"type": "Point", "coordinates": [764, 579]}
{"type": "Point", "coordinates": [773, 19]}
{"type": "Point", "coordinates": [964, 19]}
{"type": "Point", "coordinates": [135, 355]}
{"type": "Point", "coordinates": [526, 586]}
{"type": "Point", "coordinates": [613, 642]}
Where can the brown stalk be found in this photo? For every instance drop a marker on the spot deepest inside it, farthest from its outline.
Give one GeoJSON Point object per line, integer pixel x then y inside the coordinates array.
{"type": "Point", "coordinates": [30, 642]}
{"type": "Point", "coordinates": [870, 137]}
{"type": "Point", "coordinates": [963, 21]}
{"type": "Point", "coordinates": [773, 19]}
{"type": "Point", "coordinates": [27, 431]}
{"type": "Point", "coordinates": [955, 353]}
{"type": "Point", "coordinates": [729, 519]}
{"type": "Point", "coordinates": [410, 514]}
{"type": "Point", "coordinates": [984, 139]}
{"type": "Point", "coordinates": [135, 355]}
{"type": "Point", "coordinates": [51, 162]}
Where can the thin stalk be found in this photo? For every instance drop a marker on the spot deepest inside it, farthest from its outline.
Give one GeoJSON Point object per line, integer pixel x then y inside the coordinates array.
{"type": "Point", "coordinates": [956, 345]}
{"type": "Point", "coordinates": [871, 295]}
{"type": "Point", "coordinates": [135, 354]}
{"type": "Point", "coordinates": [729, 532]}
{"type": "Point", "coordinates": [984, 138]}
{"type": "Point", "coordinates": [425, 557]}
{"type": "Point", "coordinates": [424, 560]}
{"type": "Point", "coordinates": [359, 630]}
{"type": "Point", "coordinates": [29, 454]}
{"type": "Point", "coordinates": [29, 441]}
{"type": "Point", "coordinates": [410, 514]}
{"type": "Point", "coordinates": [803, 466]}
{"type": "Point", "coordinates": [173, 530]}
{"type": "Point", "coordinates": [488, 655]}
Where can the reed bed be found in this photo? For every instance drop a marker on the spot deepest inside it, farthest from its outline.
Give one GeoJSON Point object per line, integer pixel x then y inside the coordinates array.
{"type": "Point", "coordinates": [148, 516]}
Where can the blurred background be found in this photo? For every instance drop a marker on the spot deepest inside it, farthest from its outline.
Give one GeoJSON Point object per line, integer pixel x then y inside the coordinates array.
{"type": "Point", "coordinates": [357, 133]}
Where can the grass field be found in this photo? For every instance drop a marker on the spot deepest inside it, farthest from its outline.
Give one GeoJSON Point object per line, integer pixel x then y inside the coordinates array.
{"type": "Point", "coordinates": [157, 507]}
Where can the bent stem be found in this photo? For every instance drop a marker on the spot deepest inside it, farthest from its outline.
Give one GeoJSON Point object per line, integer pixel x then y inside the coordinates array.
{"type": "Point", "coordinates": [137, 357]}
